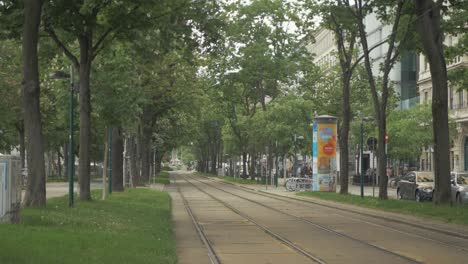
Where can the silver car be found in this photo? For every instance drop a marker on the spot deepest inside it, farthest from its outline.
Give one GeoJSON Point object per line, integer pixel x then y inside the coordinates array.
{"type": "Point", "coordinates": [416, 185]}
{"type": "Point", "coordinates": [460, 187]}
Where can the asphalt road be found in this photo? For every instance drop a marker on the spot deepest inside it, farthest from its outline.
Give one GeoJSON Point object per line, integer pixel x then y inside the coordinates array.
{"type": "Point", "coordinates": [236, 225]}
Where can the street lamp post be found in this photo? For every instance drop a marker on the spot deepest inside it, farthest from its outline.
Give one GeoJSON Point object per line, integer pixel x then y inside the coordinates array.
{"type": "Point", "coordinates": [361, 153]}
{"type": "Point", "coordinates": [71, 159]}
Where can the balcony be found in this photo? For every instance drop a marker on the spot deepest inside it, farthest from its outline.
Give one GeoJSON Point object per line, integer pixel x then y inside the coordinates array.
{"type": "Point", "coordinates": [459, 111]}
{"type": "Point", "coordinates": [458, 106]}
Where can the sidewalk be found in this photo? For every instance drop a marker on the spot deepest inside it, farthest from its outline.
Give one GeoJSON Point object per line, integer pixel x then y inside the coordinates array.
{"type": "Point", "coordinates": [352, 189]}
{"type": "Point", "coordinates": [57, 189]}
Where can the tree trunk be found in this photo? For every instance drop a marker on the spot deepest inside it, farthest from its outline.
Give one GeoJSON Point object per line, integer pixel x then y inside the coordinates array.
{"type": "Point", "coordinates": [380, 102]}
{"type": "Point", "coordinates": [213, 159]}
{"type": "Point", "coordinates": [151, 166]}
{"type": "Point", "coordinates": [145, 159]}
{"type": "Point", "coordinates": [105, 165]}
{"type": "Point", "coordinates": [133, 162]}
{"type": "Point", "coordinates": [244, 164]}
{"type": "Point", "coordinates": [381, 156]}
{"type": "Point", "coordinates": [138, 155]}
{"type": "Point", "coordinates": [270, 160]}
{"type": "Point", "coordinates": [65, 159]}
{"type": "Point", "coordinates": [347, 67]}
{"type": "Point", "coordinates": [22, 145]}
{"type": "Point", "coordinates": [59, 164]}
{"type": "Point", "coordinates": [51, 167]}
{"type": "Point", "coordinates": [344, 136]}
{"type": "Point", "coordinates": [84, 168]}
{"type": "Point", "coordinates": [252, 166]}
{"type": "Point", "coordinates": [35, 189]}
{"type": "Point", "coordinates": [157, 164]}
{"type": "Point", "coordinates": [117, 160]}
{"type": "Point", "coordinates": [432, 40]}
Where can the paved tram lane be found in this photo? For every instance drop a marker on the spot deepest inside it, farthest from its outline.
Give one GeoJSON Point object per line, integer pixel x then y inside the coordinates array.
{"type": "Point", "coordinates": [332, 236]}
{"type": "Point", "coordinates": [234, 238]}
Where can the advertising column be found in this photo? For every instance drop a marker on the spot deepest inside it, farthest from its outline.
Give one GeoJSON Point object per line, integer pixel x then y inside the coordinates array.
{"type": "Point", "coordinates": [324, 153]}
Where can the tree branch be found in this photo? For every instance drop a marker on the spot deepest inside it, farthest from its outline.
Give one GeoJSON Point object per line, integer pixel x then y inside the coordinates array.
{"type": "Point", "coordinates": [393, 35]}
{"type": "Point", "coordinates": [62, 46]}
{"type": "Point", "coordinates": [98, 44]}
{"type": "Point", "coordinates": [371, 49]}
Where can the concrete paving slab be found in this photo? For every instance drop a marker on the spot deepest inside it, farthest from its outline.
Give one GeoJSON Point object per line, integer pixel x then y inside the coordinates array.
{"type": "Point", "coordinates": [352, 237]}
{"type": "Point", "coordinates": [190, 248]}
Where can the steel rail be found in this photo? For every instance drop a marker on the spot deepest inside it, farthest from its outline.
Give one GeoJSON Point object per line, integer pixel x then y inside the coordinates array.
{"type": "Point", "coordinates": [305, 203]}
{"type": "Point", "coordinates": [265, 229]}
{"type": "Point", "coordinates": [384, 250]}
{"type": "Point", "coordinates": [211, 253]}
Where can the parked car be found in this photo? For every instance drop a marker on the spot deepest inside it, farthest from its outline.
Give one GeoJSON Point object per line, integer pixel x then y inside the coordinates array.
{"type": "Point", "coordinates": [416, 185]}
{"type": "Point", "coordinates": [393, 181]}
{"type": "Point", "coordinates": [459, 187]}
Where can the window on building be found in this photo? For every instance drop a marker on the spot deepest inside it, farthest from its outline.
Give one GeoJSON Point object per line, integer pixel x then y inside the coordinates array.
{"type": "Point", "coordinates": [426, 97]}
{"type": "Point", "coordinates": [460, 99]}
{"type": "Point", "coordinates": [451, 98]}
{"type": "Point", "coordinates": [452, 161]}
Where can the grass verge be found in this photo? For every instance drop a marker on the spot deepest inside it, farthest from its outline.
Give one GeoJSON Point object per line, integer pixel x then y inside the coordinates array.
{"type": "Point", "coordinates": [238, 180]}
{"type": "Point", "coordinates": [129, 227]}
{"type": "Point", "coordinates": [451, 214]}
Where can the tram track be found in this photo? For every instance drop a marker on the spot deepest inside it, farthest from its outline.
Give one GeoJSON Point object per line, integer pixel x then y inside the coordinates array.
{"type": "Point", "coordinates": [306, 204]}
{"type": "Point", "coordinates": [211, 253]}
{"type": "Point", "coordinates": [324, 228]}
{"type": "Point", "coordinates": [273, 234]}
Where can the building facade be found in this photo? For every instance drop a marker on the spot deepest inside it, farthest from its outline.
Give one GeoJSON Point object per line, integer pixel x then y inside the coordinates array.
{"type": "Point", "coordinates": [324, 49]}
{"type": "Point", "coordinates": [403, 75]}
{"type": "Point", "coordinates": [458, 111]}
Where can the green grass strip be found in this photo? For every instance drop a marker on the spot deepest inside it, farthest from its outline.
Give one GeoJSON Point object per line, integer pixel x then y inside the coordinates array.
{"type": "Point", "coordinates": [238, 180]}
{"type": "Point", "coordinates": [451, 214]}
{"type": "Point", "coordinates": [129, 227]}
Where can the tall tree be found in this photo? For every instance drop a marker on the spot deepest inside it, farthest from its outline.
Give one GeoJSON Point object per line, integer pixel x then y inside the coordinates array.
{"type": "Point", "coordinates": [380, 95]}
{"type": "Point", "coordinates": [117, 159]}
{"type": "Point", "coordinates": [432, 37]}
{"type": "Point", "coordinates": [35, 190]}
{"type": "Point", "coordinates": [340, 20]}
{"type": "Point", "coordinates": [79, 22]}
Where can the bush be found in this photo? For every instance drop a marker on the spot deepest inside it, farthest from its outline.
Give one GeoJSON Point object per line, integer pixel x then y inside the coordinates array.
{"type": "Point", "coordinates": [167, 168]}
{"type": "Point", "coordinates": [163, 174]}
{"type": "Point", "coordinates": [162, 181]}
